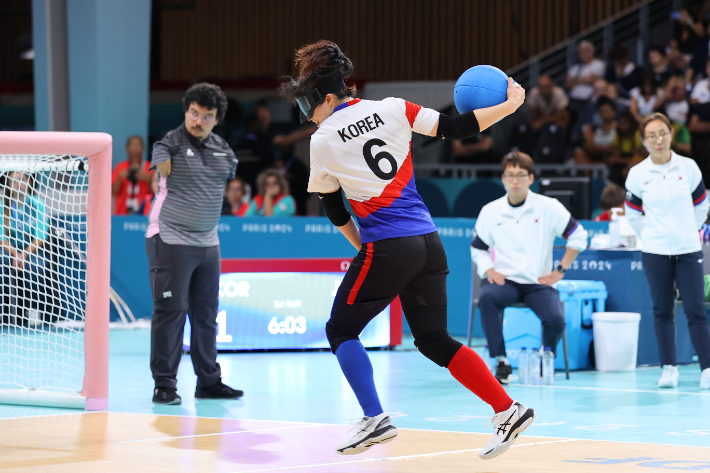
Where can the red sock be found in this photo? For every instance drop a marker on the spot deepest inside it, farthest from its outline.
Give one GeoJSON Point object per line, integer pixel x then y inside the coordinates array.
{"type": "Point", "coordinates": [471, 371]}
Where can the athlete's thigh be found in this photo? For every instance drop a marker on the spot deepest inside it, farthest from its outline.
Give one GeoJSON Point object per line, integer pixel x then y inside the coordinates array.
{"type": "Point", "coordinates": [428, 287]}
{"type": "Point", "coordinates": [376, 276]}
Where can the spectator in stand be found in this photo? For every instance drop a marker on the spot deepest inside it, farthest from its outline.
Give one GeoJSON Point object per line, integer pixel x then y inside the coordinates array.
{"type": "Point", "coordinates": [699, 127]}
{"type": "Point", "coordinates": [598, 142]}
{"type": "Point", "coordinates": [701, 90]}
{"type": "Point", "coordinates": [620, 71]}
{"type": "Point", "coordinates": [672, 100]}
{"type": "Point", "coordinates": [23, 232]}
{"type": "Point", "coordinates": [234, 198]}
{"type": "Point", "coordinates": [687, 34]}
{"type": "Point", "coordinates": [700, 56]}
{"type": "Point", "coordinates": [255, 151]}
{"type": "Point", "coordinates": [628, 149]}
{"type": "Point", "coordinates": [612, 197]}
{"type": "Point", "coordinates": [658, 65]}
{"type": "Point", "coordinates": [548, 104]}
{"type": "Point", "coordinates": [644, 97]}
{"type": "Point", "coordinates": [589, 114]}
{"type": "Point", "coordinates": [477, 149]}
{"type": "Point", "coordinates": [273, 199]}
{"type": "Point", "coordinates": [131, 178]}
{"type": "Point", "coordinates": [582, 75]}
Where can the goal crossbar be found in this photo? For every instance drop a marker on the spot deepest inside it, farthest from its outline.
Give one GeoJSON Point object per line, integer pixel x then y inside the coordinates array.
{"type": "Point", "coordinates": [97, 148]}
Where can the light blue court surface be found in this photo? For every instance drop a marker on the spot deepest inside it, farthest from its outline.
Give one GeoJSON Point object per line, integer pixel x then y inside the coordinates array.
{"type": "Point", "coordinates": [309, 387]}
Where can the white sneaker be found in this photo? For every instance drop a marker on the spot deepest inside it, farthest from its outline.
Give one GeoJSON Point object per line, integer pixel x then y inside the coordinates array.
{"type": "Point", "coordinates": [370, 431]}
{"type": "Point", "coordinates": [669, 378]}
{"type": "Point", "coordinates": [507, 425]}
{"type": "Point", "coordinates": [705, 379]}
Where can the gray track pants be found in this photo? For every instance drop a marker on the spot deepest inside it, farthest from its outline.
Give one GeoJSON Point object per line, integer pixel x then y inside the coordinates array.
{"type": "Point", "coordinates": [183, 279]}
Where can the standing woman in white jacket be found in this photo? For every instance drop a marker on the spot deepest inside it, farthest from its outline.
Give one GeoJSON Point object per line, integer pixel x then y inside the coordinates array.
{"type": "Point", "coordinates": [669, 190]}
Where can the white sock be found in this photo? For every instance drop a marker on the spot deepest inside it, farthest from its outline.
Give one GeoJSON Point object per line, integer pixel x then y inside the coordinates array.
{"type": "Point", "coordinates": [503, 359]}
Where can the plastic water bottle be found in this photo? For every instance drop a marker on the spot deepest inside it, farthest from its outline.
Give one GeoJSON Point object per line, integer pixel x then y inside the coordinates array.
{"type": "Point", "coordinates": [534, 367]}
{"type": "Point", "coordinates": [548, 367]}
{"type": "Point", "coordinates": [523, 360]}
{"type": "Point", "coordinates": [490, 362]}
{"type": "Point", "coordinates": [614, 231]}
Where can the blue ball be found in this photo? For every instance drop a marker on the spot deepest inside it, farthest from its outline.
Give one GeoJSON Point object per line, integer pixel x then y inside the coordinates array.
{"type": "Point", "coordinates": [480, 87]}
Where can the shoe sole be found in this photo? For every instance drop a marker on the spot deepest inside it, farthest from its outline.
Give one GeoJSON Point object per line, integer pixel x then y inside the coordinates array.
{"type": "Point", "coordinates": [219, 398]}
{"type": "Point", "coordinates": [667, 386]}
{"type": "Point", "coordinates": [503, 447]}
{"type": "Point", "coordinates": [385, 437]}
{"type": "Point", "coordinates": [174, 402]}
{"type": "Point", "coordinates": [507, 380]}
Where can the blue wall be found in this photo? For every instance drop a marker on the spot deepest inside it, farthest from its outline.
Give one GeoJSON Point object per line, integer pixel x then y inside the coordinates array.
{"type": "Point", "coordinates": [302, 237]}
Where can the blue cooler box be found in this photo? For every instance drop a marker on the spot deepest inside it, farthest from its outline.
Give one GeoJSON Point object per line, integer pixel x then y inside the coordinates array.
{"type": "Point", "coordinates": [522, 328]}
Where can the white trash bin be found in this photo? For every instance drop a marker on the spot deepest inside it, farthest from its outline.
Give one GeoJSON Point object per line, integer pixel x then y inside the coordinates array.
{"type": "Point", "coordinates": [616, 340]}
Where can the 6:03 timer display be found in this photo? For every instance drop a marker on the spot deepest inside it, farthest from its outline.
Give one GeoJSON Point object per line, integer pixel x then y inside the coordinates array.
{"type": "Point", "coordinates": [289, 325]}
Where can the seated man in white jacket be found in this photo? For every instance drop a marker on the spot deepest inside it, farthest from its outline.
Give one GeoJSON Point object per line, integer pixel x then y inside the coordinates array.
{"type": "Point", "coordinates": [520, 228]}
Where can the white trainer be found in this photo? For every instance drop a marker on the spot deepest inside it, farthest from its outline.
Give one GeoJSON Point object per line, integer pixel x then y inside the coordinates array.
{"type": "Point", "coordinates": [370, 431]}
{"type": "Point", "coordinates": [669, 378]}
{"type": "Point", "coordinates": [507, 425]}
{"type": "Point", "coordinates": [705, 379]}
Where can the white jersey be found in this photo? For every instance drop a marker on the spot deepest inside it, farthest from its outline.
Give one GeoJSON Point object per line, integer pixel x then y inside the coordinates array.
{"type": "Point", "coordinates": [365, 148]}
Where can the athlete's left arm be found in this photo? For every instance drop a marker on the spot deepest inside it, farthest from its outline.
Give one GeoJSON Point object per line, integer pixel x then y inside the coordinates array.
{"type": "Point", "coordinates": [699, 195]}
{"type": "Point", "coordinates": [352, 233]}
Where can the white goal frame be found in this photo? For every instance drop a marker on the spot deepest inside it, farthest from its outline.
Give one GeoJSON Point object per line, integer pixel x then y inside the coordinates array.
{"type": "Point", "coordinates": [97, 148]}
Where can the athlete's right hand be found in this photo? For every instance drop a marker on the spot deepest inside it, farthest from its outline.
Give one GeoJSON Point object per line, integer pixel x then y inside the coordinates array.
{"type": "Point", "coordinates": [495, 277]}
{"type": "Point", "coordinates": [515, 94]}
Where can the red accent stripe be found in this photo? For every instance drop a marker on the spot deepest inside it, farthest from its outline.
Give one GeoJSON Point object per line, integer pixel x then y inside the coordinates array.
{"type": "Point", "coordinates": [363, 273]}
{"type": "Point", "coordinates": [353, 102]}
{"type": "Point", "coordinates": [391, 192]}
{"type": "Point", "coordinates": [412, 111]}
{"type": "Point", "coordinates": [396, 322]}
{"type": "Point", "coordinates": [635, 207]}
{"type": "Point", "coordinates": [700, 199]}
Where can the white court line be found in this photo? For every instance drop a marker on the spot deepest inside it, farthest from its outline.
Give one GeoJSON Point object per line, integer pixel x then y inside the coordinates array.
{"type": "Point", "coordinates": [403, 457]}
{"type": "Point", "coordinates": [651, 391]}
{"type": "Point", "coordinates": [222, 433]}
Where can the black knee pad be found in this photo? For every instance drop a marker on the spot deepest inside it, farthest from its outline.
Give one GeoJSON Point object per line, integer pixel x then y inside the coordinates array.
{"type": "Point", "coordinates": [337, 336]}
{"type": "Point", "coordinates": [439, 347]}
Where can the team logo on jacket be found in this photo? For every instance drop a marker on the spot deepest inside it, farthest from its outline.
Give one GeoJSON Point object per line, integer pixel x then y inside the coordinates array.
{"type": "Point", "coordinates": [189, 152]}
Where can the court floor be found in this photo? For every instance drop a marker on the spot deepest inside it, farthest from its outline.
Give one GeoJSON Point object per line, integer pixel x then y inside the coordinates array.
{"type": "Point", "coordinates": [298, 406]}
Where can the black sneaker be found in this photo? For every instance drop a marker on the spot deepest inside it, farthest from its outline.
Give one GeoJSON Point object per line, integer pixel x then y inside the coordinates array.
{"type": "Point", "coordinates": [504, 372]}
{"type": "Point", "coordinates": [167, 396]}
{"type": "Point", "coordinates": [218, 391]}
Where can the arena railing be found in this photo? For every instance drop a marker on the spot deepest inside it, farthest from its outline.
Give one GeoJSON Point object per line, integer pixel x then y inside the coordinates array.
{"type": "Point", "coordinates": [472, 171]}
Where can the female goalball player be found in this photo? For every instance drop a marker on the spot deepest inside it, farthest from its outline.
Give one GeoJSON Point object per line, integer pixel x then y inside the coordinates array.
{"type": "Point", "coordinates": [364, 148]}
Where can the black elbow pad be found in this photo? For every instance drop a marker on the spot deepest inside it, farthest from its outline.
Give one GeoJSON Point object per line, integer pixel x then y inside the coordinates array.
{"type": "Point", "coordinates": [458, 128]}
{"type": "Point", "coordinates": [334, 207]}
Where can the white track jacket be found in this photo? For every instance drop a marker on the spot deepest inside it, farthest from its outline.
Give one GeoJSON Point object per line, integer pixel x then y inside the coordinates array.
{"type": "Point", "coordinates": [522, 238]}
{"type": "Point", "coordinates": [673, 197]}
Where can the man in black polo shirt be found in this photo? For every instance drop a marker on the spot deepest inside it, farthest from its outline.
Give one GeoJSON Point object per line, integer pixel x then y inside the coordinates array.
{"type": "Point", "coordinates": [183, 246]}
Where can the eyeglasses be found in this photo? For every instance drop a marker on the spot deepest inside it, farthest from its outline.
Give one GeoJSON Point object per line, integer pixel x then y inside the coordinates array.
{"type": "Point", "coordinates": [662, 136]}
{"type": "Point", "coordinates": [206, 119]}
{"type": "Point", "coordinates": [520, 176]}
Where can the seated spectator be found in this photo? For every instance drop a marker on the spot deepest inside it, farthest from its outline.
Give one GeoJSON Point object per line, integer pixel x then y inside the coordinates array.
{"type": "Point", "coordinates": [628, 148]}
{"type": "Point", "coordinates": [700, 57]}
{"type": "Point", "coordinates": [658, 65]}
{"type": "Point", "coordinates": [273, 199]}
{"type": "Point", "coordinates": [613, 197]}
{"type": "Point", "coordinates": [644, 97]}
{"type": "Point", "coordinates": [582, 75]}
{"type": "Point", "coordinates": [599, 141]}
{"type": "Point", "coordinates": [620, 71]}
{"type": "Point", "coordinates": [687, 34]}
{"type": "Point", "coordinates": [131, 178]}
{"type": "Point", "coordinates": [699, 127]}
{"type": "Point", "coordinates": [521, 228]}
{"type": "Point", "coordinates": [23, 233]}
{"type": "Point", "coordinates": [148, 199]}
{"type": "Point", "coordinates": [548, 104]}
{"type": "Point", "coordinates": [477, 149]}
{"type": "Point", "coordinates": [234, 198]}
{"type": "Point", "coordinates": [701, 90]}
{"type": "Point", "coordinates": [681, 143]}
{"type": "Point", "coordinates": [672, 101]}
{"type": "Point", "coordinates": [255, 151]}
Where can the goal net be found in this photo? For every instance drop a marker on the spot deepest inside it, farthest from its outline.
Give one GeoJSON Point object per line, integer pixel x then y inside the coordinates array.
{"type": "Point", "coordinates": [54, 268]}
